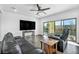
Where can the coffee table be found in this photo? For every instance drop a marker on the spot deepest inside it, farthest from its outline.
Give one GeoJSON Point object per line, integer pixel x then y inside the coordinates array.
{"type": "Point", "coordinates": [49, 45]}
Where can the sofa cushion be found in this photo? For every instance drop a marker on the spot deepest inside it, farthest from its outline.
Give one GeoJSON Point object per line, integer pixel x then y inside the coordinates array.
{"type": "Point", "coordinates": [12, 48]}
{"type": "Point", "coordinates": [24, 45]}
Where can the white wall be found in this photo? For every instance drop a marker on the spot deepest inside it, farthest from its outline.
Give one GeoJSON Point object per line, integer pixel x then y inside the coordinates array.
{"type": "Point", "coordinates": [74, 13]}
{"type": "Point", "coordinates": [38, 26]}
{"type": "Point", "coordinates": [0, 24]}
{"type": "Point", "coordinates": [9, 22]}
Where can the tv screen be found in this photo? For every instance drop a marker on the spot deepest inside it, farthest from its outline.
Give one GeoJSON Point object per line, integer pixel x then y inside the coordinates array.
{"type": "Point", "coordinates": [27, 25]}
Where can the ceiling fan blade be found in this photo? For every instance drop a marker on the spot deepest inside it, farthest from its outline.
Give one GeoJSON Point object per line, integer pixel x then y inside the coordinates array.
{"type": "Point", "coordinates": [38, 7]}
{"type": "Point", "coordinates": [44, 9]}
{"type": "Point", "coordinates": [33, 10]}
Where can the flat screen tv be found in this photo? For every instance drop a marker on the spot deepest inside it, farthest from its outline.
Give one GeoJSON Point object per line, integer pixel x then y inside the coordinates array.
{"type": "Point", "coordinates": [27, 25]}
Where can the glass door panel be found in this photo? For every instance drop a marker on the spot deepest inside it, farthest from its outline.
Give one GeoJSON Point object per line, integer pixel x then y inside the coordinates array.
{"type": "Point", "coordinates": [71, 25]}
{"type": "Point", "coordinates": [58, 27]}
{"type": "Point", "coordinates": [51, 27]}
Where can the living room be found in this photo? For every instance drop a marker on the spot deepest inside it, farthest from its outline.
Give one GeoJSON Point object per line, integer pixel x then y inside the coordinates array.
{"type": "Point", "coordinates": [11, 16]}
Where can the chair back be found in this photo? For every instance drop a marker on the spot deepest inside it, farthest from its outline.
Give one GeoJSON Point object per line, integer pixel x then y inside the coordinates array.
{"type": "Point", "coordinates": [65, 34]}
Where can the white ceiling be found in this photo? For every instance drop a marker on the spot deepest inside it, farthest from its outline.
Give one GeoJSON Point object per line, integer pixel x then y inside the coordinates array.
{"type": "Point", "coordinates": [24, 9]}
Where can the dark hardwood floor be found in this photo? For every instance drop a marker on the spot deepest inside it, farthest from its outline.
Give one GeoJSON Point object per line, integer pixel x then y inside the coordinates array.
{"type": "Point", "coordinates": [71, 48]}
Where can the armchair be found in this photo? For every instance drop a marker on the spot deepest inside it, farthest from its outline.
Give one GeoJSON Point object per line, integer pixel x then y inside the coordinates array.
{"type": "Point", "coordinates": [62, 44]}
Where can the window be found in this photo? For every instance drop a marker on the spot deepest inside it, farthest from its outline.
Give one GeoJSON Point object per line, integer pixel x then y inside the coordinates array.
{"type": "Point", "coordinates": [45, 28]}
{"type": "Point", "coordinates": [58, 27]}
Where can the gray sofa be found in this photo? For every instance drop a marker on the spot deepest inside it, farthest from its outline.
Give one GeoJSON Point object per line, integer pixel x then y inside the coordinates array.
{"type": "Point", "coordinates": [18, 45]}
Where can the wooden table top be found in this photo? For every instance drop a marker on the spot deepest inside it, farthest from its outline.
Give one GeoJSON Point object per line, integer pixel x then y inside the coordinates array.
{"type": "Point", "coordinates": [50, 42]}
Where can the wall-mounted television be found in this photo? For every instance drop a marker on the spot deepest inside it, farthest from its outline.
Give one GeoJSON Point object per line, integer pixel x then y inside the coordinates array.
{"type": "Point", "coordinates": [27, 25]}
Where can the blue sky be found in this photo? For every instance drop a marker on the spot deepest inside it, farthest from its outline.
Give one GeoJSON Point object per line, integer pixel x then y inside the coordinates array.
{"type": "Point", "coordinates": [66, 22]}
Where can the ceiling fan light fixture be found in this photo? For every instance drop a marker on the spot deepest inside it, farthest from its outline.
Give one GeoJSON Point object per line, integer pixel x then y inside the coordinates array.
{"type": "Point", "coordinates": [40, 14]}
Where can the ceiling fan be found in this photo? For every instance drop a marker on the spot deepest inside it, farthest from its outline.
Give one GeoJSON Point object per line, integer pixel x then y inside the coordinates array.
{"type": "Point", "coordinates": [39, 9]}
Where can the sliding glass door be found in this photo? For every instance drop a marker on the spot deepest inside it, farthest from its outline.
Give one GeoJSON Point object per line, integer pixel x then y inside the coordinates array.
{"type": "Point", "coordinates": [71, 25]}
{"type": "Point", "coordinates": [58, 27]}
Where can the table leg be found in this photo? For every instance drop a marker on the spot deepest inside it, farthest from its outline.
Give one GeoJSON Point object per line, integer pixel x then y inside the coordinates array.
{"type": "Point", "coordinates": [41, 45]}
{"type": "Point", "coordinates": [51, 51]}
{"type": "Point", "coordinates": [48, 49]}
{"type": "Point", "coordinates": [56, 47]}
